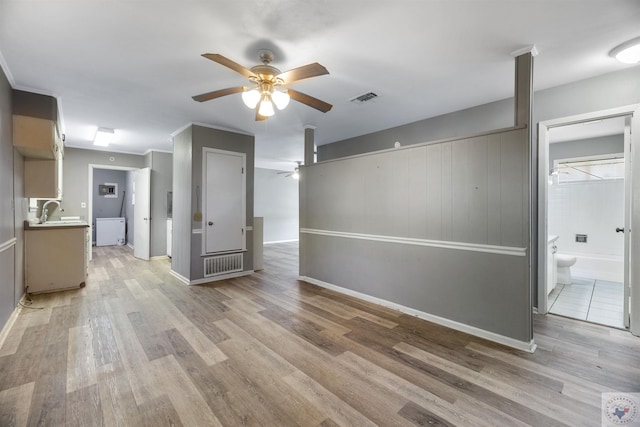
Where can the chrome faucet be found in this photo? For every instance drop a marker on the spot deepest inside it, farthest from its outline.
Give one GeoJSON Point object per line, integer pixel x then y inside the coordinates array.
{"type": "Point", "coordinates": [43, 216]}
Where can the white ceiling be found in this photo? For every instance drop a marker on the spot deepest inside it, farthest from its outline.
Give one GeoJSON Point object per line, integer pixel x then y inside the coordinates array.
{"type": "Point", "coordinates": [134, 65]}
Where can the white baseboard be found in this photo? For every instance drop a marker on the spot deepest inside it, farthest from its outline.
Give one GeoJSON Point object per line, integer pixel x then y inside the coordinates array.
{"type": "Point", "coordinates": [221, 277]}
{"type": "Point", "coordinates": [179, 277]}
{"type": "Point", "coordinates": [280, 241]}
{"type": "Point", "coordinates": [130, 245]}
{"type": "Point", "coordinates": [529, 347]}
{"type": "Point", "coordinates": [209, 279]}
{"type": "Point", "coordinates": [12, 319]}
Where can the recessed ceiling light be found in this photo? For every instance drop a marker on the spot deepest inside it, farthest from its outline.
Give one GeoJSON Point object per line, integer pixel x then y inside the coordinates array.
{"type": "Point", "coordinates": [104, 136]}
{"type": "Point", "coordinates": [628, 52]}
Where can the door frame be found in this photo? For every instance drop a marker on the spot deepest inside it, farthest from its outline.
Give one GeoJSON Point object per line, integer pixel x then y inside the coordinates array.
{"type": "Point", "coordinates": [93, 166]}
{"type": "Point", "coordinates": [543, 172]}
{"type": "Point", "coordinates": [203, 197]}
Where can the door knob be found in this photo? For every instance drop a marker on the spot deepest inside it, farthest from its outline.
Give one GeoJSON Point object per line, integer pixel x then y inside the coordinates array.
{"type": "Point", "coordinates": [619, 230]}
{"type": "Point", "coordinates": [210, 223]}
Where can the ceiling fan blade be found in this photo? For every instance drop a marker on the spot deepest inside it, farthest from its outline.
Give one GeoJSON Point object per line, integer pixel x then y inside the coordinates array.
{"type": "Point", "coordinates": [223, 60]}
{"type": "Point", "coordinates": [304, 72]}
{"type": "Point", "coordinates": [218, 93]}
{"type": "Point", "coordinates": [260, 117]}
{"type": "Point", "coordinates": [309, 100]}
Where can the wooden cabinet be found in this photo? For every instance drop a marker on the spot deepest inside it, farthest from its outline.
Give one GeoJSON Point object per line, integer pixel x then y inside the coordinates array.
{"type": "Point", "coordinates": [55, 258]}
{"type": "Point", "coordinates": [41, 179]}
{"type": "Point", "coordinates": [37, 136]}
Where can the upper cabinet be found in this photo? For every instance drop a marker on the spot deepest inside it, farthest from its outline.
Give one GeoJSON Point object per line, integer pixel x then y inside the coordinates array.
{"type": "Point", "coordinates": [36, 132]}
{"type": "Point", "coordinates": [37, 136]}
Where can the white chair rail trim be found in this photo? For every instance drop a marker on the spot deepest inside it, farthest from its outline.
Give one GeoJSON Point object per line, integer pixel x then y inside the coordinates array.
{"type": "Point", "coordinates": [461, 246]}
{"type": "Point", "coordinates": [8, 244]}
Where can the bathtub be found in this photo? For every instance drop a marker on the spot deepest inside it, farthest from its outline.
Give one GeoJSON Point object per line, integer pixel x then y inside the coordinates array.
{"type": "Point", "coordinates": [600, 267]}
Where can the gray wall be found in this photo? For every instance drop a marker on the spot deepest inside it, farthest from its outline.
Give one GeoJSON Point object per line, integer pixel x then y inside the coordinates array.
{"type": "Point", "coordinates": [75, 184]}
{"type": "Point", "coordinates": [8, 264]}
{"type": "Point", "coordinates": [183, 192]}
{"type": "Point", "coordinates": [594, 94]}
{"type": "Point", "coordinates": [472, 191]}
{"type": "Point", "coordinates": [161, 182]}
{"type": "Point", "coordinates": [107, 207]}
{"type": "Point", "coordinates": [187, 180]}
{"type": "Point", "coordinates": [276, 199]}
{"type": "Point", "coordinates": [222, 140]}
{"type": "Point", "coordinates": [612, 144]}
{"type": "Point", "coordinates": [598, 93]}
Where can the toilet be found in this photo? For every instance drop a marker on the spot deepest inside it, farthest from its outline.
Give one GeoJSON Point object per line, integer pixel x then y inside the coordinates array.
{"type": "Point", "coordinates": [563, 264]}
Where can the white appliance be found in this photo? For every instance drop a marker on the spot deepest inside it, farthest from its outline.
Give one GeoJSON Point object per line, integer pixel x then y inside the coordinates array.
{"type": "Point", "coordinates": [110, 231]}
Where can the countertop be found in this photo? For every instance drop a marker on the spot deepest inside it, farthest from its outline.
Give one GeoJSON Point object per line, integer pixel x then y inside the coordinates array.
{"type": "Point", "coordinates": [55, 224]}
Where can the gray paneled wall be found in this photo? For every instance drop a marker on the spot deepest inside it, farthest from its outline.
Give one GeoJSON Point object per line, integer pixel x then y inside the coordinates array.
{"type": "Point", "coordinates": [398, 209]}
{"type": "Point", "coordinates": [469, 190]}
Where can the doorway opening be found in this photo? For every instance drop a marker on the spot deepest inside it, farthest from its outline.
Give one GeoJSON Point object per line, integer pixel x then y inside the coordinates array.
{"type": "Point", "coordinates": [584, 217]}
{"type": "Point", "coordinates": [120, 192]}
{"type": "Point", "coordinates": [585, 208]}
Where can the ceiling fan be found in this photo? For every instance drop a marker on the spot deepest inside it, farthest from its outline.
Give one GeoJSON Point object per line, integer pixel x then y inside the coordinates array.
{"type": "Point", "coordinates": [268, 84]}
{"type": "Point", "coordinates": [295, 174]}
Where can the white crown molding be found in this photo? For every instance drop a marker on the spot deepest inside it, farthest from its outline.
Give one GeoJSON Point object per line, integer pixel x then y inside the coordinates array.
{"type": "Point", "coordinates": [7, 72]}
{"type": "Point", "coordinates": [527, 49]}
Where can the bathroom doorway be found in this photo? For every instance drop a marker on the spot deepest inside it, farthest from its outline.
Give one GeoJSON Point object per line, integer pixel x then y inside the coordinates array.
{"type": "Point", "coordinates": [585, 208]}
{"type": "Point", "coordinates": [585, 217]}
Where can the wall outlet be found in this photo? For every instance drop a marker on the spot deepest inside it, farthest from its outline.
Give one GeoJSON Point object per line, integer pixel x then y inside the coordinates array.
{"type": "Point", "coordinates": [581, 238]}
{"type": "Point", "coordinates": [83, 205]}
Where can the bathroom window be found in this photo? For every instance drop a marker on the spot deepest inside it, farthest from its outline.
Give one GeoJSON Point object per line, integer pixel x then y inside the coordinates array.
{"type": "Point", "coordinates": [568, 171]}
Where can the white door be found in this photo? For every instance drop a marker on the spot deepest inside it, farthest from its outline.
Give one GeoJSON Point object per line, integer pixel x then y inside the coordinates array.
{"type": "Point", "coordinates": [627, 217]}
{"type": "Point", "coordinates": [142, 213]}
{"type": "Point", "coordinates": [224, 201]}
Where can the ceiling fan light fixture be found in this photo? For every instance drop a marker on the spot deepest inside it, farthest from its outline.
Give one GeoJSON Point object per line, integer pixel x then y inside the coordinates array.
{"type": "Point", "coordinates": [251, 98]}
{"type": "Point", "coordinates": [295, 175]}
{"type": "Point", "coordinates": [266, 107]}
{"type": "Point", "coordinates": [281, 99]}
{"type": "Point", "coordinates": [628, 52]}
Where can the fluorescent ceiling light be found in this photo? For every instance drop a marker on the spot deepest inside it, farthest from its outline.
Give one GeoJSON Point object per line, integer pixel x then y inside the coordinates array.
{"type": "Point", "coordinates": [103, 138]}
{"type": "Point", "coordinates": [628, 53]}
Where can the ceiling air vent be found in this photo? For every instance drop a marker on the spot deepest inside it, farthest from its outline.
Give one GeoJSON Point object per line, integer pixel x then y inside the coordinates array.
{"type": "Point", "coordinates": [364, 97]}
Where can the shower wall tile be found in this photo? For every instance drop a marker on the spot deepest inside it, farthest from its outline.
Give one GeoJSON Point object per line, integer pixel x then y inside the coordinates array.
{"type": "Point", "coordinates": [591, 208]}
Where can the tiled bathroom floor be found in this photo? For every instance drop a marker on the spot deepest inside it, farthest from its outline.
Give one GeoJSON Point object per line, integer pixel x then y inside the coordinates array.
{"type": "Point", "coordinates": [596, 301]}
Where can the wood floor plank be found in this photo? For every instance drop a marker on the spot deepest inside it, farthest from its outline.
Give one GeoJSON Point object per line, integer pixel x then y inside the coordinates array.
{"type": "Point", "coordinates": [83, 407]}
{"type": "Point", "coordinates": [160, 412]}
{"type": "Point", "coordinates": [81, 365]}
{"type": "Point", "coordinates": [209, 352]}
{"type": "Point", "coordinates": [117, 400]}
{"type": "Point", "coordinates": [327, 402]}
{"type": "Point", "coordinates": [173, 382]}
{"type": "Point", "coordinates": [566, 411]}
{"type": "Point", "coordinates": [421, 416]}
{"type": "Point", "coordinates": [136, 347]}
{"type": "Point", "coordinates": [14, 405]}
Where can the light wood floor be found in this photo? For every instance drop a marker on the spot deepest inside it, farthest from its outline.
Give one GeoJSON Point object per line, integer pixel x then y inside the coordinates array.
{"type": "Point", "coordinates": [136, 347]}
